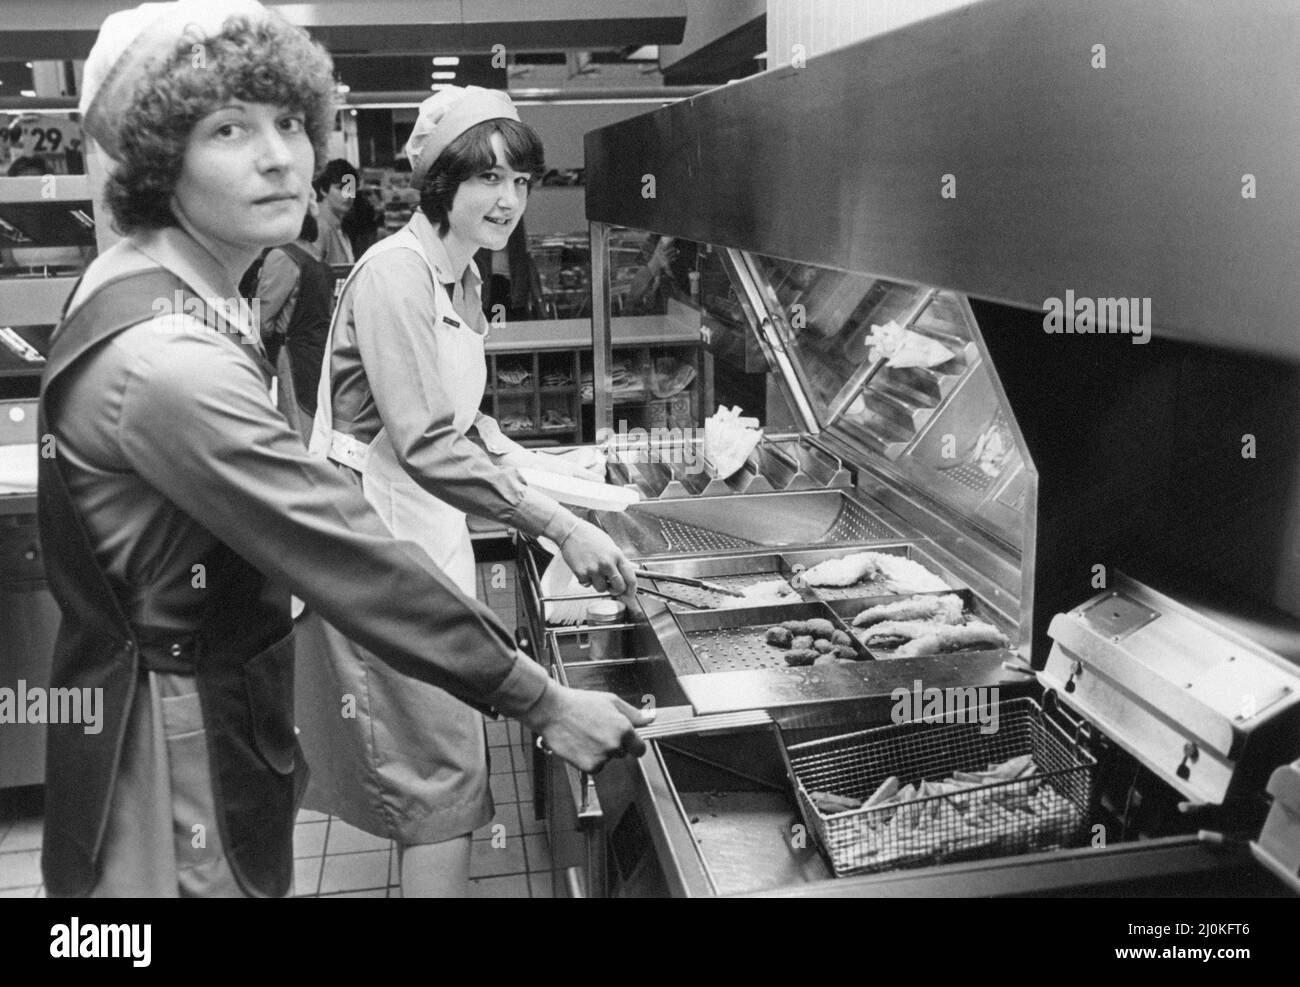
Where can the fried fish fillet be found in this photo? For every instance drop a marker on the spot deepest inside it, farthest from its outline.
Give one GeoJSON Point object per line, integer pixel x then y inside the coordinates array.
{"type": "Point", "coordinates": [940, 609]}
{"type": "Point", "coordinates": [921, 637]}
{"type": "Point", "coordinates": [844, 571]}
{"type": "Point", "coordinates": [897, 573]}
{"type": "Point", "coordinates": [976, 635]}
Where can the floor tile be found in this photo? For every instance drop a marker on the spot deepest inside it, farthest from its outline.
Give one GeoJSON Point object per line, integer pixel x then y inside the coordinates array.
{"type": "Point", "coordinates": [306, 875]}
{"type": "Point", "coordinates": [309, 839]}
{"type": "Point", "coordinates": [503, 789]}
{"type": "Point", "coordinates": [355, 872]}
{"type": "Point", "coordinates": [311, 815]}
{"type": "Point", "coordinates": [513, 886]}
{"type": "Point", "coordinates": [507, 815]}
{"type": "Point", "coordinates": [541, 884]}
{"type": "Point", "coordinates": [24, 834]}
{"type": "Point", "coordinates": [394, 870]}
{"type": "Point", "coordinates": [22, 869]}
{"type": "Point", "coordinates": [346, 838]}
{"type": "Point", "coordinates": [524, 786]}
{"type": "Point", "coordinates": [527, 821]}
{"type": "Point", "coordinates": [486, 860]}
{"type": "Point", "coordinates": [394, 891]}
{"type": "Point", "coordinates": [368, 893]}
{"type": "Point", "coordinates": [19, 892]}
{"type": "Point", "coordinates": [538, 848]}
{"type": "Point", "coordinates": [497, 733]}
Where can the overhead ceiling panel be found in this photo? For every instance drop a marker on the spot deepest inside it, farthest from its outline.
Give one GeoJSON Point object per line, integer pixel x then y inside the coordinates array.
{"type": "Point", "coordinates": [31, 29]}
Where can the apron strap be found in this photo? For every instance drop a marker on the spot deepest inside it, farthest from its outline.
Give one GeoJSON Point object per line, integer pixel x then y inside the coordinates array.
{"type": "Point", "coordinates": [327, 441]}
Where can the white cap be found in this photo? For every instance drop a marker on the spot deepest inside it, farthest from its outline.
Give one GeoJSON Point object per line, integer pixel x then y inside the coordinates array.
{"type": "Point", "coordinates": [446, 115]}
{"type": "Point", "coordinates": [132, 43]}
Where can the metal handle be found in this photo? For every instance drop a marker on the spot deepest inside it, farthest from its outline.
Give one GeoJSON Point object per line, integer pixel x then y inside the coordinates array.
{"type": "Point", "coordinates": [573, 881]}
{"type": "Point", "coordinates": [1191, 754]}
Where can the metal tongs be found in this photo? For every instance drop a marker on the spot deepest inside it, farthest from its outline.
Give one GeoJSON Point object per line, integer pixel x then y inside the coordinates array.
{"type": "Point", "coordinates": [688, 581]}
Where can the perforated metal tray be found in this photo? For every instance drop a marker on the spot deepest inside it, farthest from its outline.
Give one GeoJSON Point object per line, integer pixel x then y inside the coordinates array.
{"type": "Point", "coordinates": [733, 640]}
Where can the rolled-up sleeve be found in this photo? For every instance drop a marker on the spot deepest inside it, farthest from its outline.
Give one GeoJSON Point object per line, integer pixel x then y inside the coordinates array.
{"type": "Point", "coordinates": [398, 345]}
{"type": "Point", "coordinates": [197, 423]}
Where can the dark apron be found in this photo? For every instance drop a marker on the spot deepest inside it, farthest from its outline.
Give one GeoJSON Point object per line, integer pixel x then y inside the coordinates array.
{"type": "Point", "coordinates": [239, 648]}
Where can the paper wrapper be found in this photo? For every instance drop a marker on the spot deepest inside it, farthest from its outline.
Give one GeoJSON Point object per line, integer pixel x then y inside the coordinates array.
{"type": "Point", "coordinates": [728, 441]}
{"type": "Point", "coordinates": [904, 348]}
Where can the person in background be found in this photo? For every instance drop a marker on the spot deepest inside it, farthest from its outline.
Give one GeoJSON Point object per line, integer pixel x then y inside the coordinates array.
{"type": "Point", "coordinates": [406, 375]}
{"type": "Point", "coordinates": [295, 293]}
{"type": "Point", "coordinates": [513, 286]}
{"type": "Point", "coordinates": [26, 168]}
{"type": "Point", "coordinates": [363, 221]}
{"type": "Point", "coordinates": [653, 282]}
{"type": "Point", "coordinates": [181, 510]}
{"type": "Point", "coordinates": [337, 188]}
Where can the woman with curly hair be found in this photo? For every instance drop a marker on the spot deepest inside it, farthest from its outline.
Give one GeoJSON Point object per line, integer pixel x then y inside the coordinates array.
{"type": "Point", "coordinates": [180, 509]}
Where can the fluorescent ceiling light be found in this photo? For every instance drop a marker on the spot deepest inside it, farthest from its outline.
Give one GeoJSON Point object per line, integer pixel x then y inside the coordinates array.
{"type": "Point", "coordinates": [444, 75]}
{"type": "Point", "coordinates": [446, 59]}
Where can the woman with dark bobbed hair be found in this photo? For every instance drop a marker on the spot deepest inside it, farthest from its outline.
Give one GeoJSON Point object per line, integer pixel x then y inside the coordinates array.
{"type": "Point", "coordinates": [178, 508]}
{"type": "Point", "coordinates": [399, 399]}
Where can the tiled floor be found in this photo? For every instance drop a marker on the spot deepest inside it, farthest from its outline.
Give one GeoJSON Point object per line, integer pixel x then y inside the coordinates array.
{"type": "Point", "coordinates": [510, 858]}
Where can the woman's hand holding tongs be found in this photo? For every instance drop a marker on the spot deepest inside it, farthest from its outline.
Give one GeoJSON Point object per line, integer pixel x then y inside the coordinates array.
{"type": "Point", "coordinates": [597, 561]}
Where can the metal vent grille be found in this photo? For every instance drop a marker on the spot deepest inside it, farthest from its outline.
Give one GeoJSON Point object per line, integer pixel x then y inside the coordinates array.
{"type": "Point", "coordinates": [970, 476]}
{"type": "Point", "coordinates": [683, 537]}
{"type": "Point", "coordinates": [855, 524]}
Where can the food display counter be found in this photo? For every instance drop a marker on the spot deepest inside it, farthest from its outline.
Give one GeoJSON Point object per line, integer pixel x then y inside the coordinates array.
{"type": "Point", "coordinates": [1050, 636]}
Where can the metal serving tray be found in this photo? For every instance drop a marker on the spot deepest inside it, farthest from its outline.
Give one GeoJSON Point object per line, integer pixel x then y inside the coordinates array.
{"type": "Point", "coordinates": [713, 525]}
{"type": "Point", "coordinates": [797, 562]}
{"type": "Point", "coordinates": [733, 640]}
{"type": "Point", "coordinates": [621, 660]}
{"type": "Point", "coordinates": [740, 572]}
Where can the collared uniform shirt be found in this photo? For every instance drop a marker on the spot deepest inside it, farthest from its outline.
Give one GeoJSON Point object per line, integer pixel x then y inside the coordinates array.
{"type": "Point", "coordinates": [169, 440]}
{"type": "Point", "coordinates": [385, 373]}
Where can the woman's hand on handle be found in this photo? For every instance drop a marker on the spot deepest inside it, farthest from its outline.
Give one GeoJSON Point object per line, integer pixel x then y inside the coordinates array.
{"type": "Point", "coordinates": [587, 728]}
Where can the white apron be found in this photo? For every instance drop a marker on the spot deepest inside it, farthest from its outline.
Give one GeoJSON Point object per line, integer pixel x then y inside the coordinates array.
{"type": "Point", "coordinates": [410, 511]}
{"type": "Point", "coordinates": [412, 763]}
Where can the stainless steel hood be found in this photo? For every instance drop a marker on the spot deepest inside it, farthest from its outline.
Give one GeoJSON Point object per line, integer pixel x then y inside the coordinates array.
{"type": "Point", "coordinates": [1122, 181]}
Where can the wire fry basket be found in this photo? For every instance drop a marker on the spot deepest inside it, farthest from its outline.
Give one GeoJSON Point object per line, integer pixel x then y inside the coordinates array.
{"type": "Point", "coordinates": [1048, 809]}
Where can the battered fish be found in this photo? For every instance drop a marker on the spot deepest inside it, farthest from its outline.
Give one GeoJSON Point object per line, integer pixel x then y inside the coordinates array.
{"type": "Point", "coordinates": [940, 609]}
{"type": "Point", "coordinates": [975, 636]}
{"type": "Point", "coordinates": [918, 637]}
{"type": "Point", "coordinates": [844, 571]}
{"type": "Point", "coordinates": [895, 573]}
